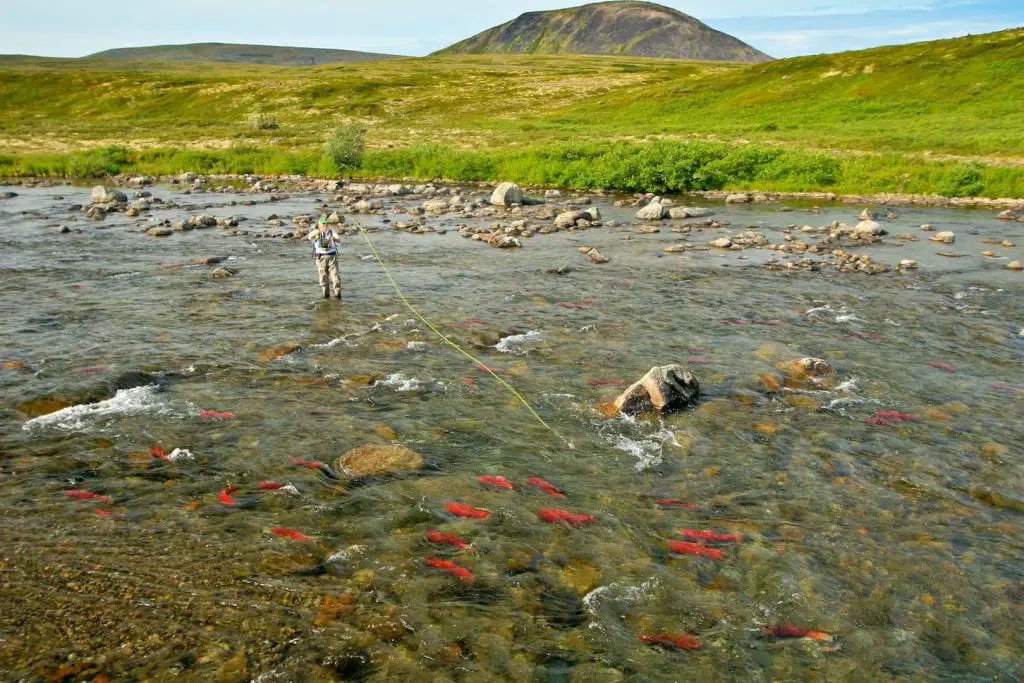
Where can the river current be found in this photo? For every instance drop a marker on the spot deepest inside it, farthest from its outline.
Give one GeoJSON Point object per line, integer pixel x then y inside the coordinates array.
{"type": "Point", "coordinates": [883, 509]}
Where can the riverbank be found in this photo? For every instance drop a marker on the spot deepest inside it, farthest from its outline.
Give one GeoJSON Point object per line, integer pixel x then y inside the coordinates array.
{"type": "Point", "coordinates": [299, 182]}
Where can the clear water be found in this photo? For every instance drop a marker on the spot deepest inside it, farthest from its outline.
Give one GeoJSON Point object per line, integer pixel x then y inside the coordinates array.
{"type": "Point", "coordinates": [904, 541]}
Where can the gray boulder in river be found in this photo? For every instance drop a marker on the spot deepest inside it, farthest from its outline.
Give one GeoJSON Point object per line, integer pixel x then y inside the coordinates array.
{"type": "Point", "coordinates": [108, 195]}
{"type": "Point", "coordinates": [666, 388]}
{"type": "Point", "coordinates": [507, 194]}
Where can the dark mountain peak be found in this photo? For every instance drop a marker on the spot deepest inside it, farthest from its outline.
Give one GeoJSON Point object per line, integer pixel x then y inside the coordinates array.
{"type": "Point", "coordinates": [641, 29]}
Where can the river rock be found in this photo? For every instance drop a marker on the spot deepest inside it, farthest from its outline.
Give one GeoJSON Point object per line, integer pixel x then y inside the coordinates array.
{"type": "Point", "coordinates": [666, 388]}
{"type": "Point", "coordinates": [160, 231]}
{"type": "Point", "coordinates": [96, 213]}
{"type": "Point", "coordinates": [201, 221]}
{"type": "Point", "coordinates": [435, 206]}
{"type": "Point", "coordinates": [570, 219]}
{"type": "Point", "coordinates": [908, 264]}
{"type": "Point", "coordinates": [721, 243]}
{"type": "Point", "coordinates": [504, 242]}
{"type": "Point", "coordinates": [944, 237]}
{"type": "Point", "coordinates": [373, 460]}
{"type": "Point", "coordinates": [868, 227]}
{"type": "Point", "coordinates": [223, 273]}
{"type": "Point", "coordinates": [507, 194]}
{"type": "Point", "coordinates": [738, 198]}
{"type": "Point", "coordinates": [806, 371]}
{"type": "Point", "coordinates": [680, 212]}
{"type": "Point", "coordinates": [108, 195]}
{"type": "Point", "coordinates": [1005, 215]}
{"type": "Point", "coordinates": [1015, 265]}
{"type": "Point", "coordinates": [654, 211]}
{"type": "Point", "coordinates": [8, 195]}
{"type": "Point", "coordinates": [278, 351]}
{"type": "Point", "coordinates": [866, 215]}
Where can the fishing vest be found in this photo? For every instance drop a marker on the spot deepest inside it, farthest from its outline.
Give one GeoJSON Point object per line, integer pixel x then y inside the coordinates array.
{"type": "Point", "coordinates": [323, 242]}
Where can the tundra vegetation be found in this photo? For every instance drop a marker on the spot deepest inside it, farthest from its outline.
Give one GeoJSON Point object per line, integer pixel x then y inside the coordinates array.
{"type": "Point", "coordinates": [937, 117]}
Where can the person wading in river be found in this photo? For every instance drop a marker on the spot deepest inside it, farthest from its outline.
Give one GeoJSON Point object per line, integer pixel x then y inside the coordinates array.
{"type": "Point", "coordinates": [325, 253]}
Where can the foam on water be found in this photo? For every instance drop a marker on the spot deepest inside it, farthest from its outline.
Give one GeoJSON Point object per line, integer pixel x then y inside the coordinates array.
{"type": "Point", "coordinates": [646, 451]}
{"type": "Point", "coordinates": [125, 402]}
{"type": "Point", "coordinates": [513, 343]}
{"type": "Point", "coordinates": [401, 383]}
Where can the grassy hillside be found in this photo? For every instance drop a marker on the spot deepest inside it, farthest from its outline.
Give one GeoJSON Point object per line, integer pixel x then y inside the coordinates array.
{"type": "Point", "coordinates": [882, 117]}
{"type": "Point", "coordinates": [246, 54]}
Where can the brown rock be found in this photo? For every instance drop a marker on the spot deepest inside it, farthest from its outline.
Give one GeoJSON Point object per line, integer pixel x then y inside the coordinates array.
{"type": "Point", "coordinates": [43, 406]}
{"type": "Point", "coordinates": [278, 351]}
{"type": "Point", "coordinates": [806, 371]}
{"type": "Point", "coordinates": [664, 388]}
{"type": "Point", "coordinates": [370, 460]}
{"type": "Point", "coordinates": [385, 432]}
{"type": "Point", "coordinates": [332, 607]}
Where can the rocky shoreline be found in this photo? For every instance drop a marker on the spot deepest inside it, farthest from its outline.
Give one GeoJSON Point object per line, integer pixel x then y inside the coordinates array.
{"type": "Point", "coordinates": [305, 183]}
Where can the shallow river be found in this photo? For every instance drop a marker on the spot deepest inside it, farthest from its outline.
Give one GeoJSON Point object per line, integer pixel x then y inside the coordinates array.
{"type": "Point", "coordinates": [899, 537]}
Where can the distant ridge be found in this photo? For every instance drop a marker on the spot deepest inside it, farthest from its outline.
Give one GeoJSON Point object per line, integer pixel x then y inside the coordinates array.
{"type": "Point", "coordinates": [245, 54]}
{"type": "Point", "coordinates": [639, 29]}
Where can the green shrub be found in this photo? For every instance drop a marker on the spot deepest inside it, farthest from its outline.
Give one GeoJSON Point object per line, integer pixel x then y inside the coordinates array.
{"type": "Point", "coordinates": [963, 180]}
{"type": "Point", "coordinates": [95, 163]}
{"type": "Point", "coordinates": [346, 146]}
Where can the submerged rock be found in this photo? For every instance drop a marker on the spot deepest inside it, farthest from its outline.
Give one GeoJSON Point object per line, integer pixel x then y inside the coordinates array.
{"type": "Point", "coordinates": [666, 388]}
{"type": "Point", "coordinates": [805, 371]}
{"type": "Point", "coordinates": [371, 460]}
{"type": "Point", "coordinates": [223, 273]}
{"type": "Point", "coordinates": [278, 351]}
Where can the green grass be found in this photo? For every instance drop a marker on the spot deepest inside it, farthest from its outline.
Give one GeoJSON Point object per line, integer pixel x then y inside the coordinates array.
{"type": "Point", "coordinates": [942, 116]}
{"type": "Point", "coordinates": [667, 166]}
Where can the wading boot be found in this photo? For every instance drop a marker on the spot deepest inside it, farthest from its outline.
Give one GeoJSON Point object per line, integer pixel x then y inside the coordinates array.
{"type": "Point", "coordinates": [338, 297]}
{"type": "Point", "coordinates": [327, 293]}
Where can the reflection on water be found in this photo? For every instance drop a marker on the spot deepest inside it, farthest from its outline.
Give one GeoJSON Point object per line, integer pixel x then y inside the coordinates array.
{"type": "Point", "coordinates": [884, 511]}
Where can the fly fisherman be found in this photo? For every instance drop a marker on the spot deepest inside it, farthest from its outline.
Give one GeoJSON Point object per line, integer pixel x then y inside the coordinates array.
{"type": "Point", "coordinates": [325, 253]}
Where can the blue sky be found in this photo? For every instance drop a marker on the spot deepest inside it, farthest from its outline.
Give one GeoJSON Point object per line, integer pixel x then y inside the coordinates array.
{"type": "Point", "coordinates": [72, 28]}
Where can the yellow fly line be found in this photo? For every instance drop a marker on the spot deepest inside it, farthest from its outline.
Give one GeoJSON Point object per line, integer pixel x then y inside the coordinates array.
{"type": "Point", "coordinates": [447, 340]}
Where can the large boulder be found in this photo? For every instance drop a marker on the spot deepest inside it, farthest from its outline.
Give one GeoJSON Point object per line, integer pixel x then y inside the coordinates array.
{"type": "Point", "coordinates": [507, 194]}
{"type": "Point", "coordinates": [654, 211]}
{"type": "Point", "coordinates": [678, 212]}
{"type": "Point", "coordinates": [667, 388]}
{"type": "Point", "coordinates": [108, 195]}
{"type": "Point", "coordinates": [868, 227]}
{"type": "Point", "coordinates": [373, 460]}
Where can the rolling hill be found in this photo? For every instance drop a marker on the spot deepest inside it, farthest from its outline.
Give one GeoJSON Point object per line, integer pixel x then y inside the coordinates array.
{"type": "Point", "coordinates": [638, 29]}
{"type": "Point", "coordinates": [938, 116]}
{"type": "Point", "coordinates": [245, 54]}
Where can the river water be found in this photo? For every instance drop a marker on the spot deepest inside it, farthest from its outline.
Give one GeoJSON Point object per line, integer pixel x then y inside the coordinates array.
{"type": "Point", "coordinates": [900, 537]}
